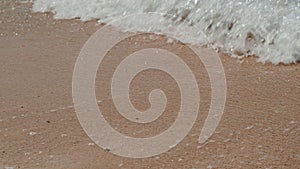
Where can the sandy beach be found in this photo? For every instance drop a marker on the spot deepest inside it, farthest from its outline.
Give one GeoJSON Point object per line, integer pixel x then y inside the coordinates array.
{"type": "Point", "coordinates": [260, 127]}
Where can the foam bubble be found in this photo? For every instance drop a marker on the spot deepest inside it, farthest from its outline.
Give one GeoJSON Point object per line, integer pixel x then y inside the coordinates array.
{"type": "Point", "coordinates": [267, 29]}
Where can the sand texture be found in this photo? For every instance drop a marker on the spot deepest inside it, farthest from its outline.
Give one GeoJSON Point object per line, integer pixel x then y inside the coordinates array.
{"type": "Point", "coordinates": [260, 127]}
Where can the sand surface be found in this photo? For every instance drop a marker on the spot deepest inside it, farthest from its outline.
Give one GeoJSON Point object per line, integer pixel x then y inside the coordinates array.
{"type": "Point", "coordinates": [260, 127]}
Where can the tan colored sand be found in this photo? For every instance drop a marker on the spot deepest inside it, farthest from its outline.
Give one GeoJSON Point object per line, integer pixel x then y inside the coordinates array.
{"type": "Point", "coordinates": [38, 125]}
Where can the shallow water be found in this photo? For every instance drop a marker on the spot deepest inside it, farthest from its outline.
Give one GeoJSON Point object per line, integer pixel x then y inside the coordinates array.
{"type": "Point", "coordinates": [265, 28]}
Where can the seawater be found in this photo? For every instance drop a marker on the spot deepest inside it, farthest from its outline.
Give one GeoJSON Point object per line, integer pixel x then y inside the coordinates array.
{"type": "Point", "coordinates": [268, 29]}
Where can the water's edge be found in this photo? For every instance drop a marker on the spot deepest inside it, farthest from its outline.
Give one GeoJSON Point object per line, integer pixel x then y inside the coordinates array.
{"type": "Point", "coordinates": [267, 29]}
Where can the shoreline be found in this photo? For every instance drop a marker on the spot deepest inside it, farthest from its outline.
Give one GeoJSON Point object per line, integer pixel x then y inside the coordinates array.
{"type": "Point", "coordinates": [260, 127]}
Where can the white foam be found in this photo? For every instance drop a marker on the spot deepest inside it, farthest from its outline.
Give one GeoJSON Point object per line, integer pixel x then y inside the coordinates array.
{"type": "Point", "coordinates": [266, 28]}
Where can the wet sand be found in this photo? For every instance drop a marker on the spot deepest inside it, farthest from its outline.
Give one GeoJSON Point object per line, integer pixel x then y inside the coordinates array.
{"type": "Point", "coordinates": [260, 127]}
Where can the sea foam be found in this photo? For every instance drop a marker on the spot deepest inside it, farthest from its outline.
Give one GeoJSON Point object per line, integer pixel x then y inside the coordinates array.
{"type": "Point", "coordinates": [268, 29]}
